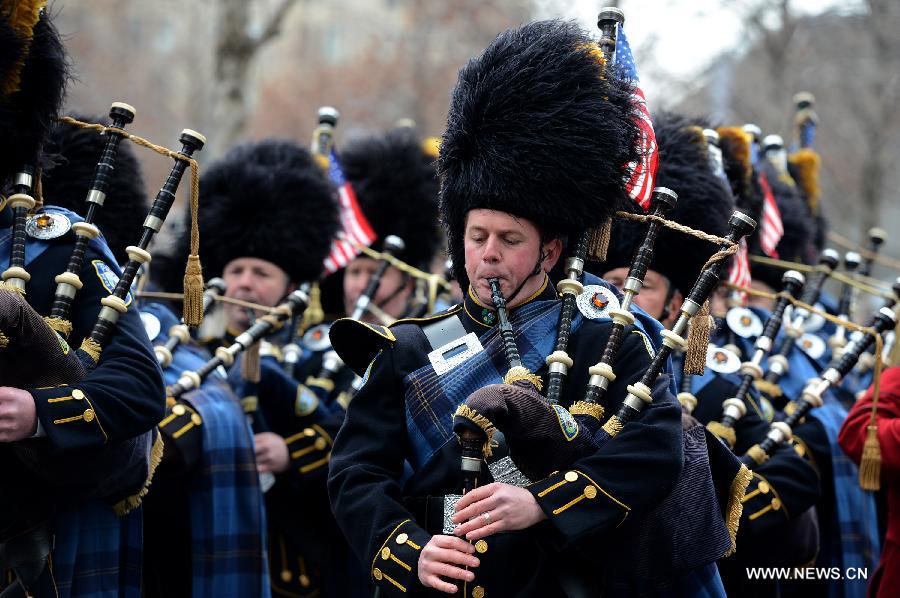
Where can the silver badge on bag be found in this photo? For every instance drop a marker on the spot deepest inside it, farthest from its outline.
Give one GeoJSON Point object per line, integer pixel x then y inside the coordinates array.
{"type": "Point", "coordinates": [722, 360]}
{"type": "Point", "coordinates": [596, 301]}
{"type": "Point", "coordinates": [812, 345]}
{"type": "Point", "coordinates": [47, 225]}
{"type": "Point", "coordinates": [744, 322]}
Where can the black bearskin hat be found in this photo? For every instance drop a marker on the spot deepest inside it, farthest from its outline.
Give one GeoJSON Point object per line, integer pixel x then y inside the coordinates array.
{"type": "Point", "coordinates": [266, 199]}
{"type": "Point", "coordinates": [396, 185]}
{"type": "Point", "coordinates": [72, 153]}
{"type": "Point", "coordinates": [704, 203]}
{"type": "Point", "coordinates": [33, 72]}
{"type": "Point", "coordinates": [538, 130]}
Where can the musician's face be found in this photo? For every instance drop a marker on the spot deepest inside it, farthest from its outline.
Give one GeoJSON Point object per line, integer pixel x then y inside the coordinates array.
{"type": "Point", "coordinates": [653, 295]}
{"type": "Point", "coordinates": [391, 297]}
{"type": "Point", "coordinates": [255, 280]}
{"type": "Point", "coordinates": [499, 245]}
{"type": "Point", "coordinates": [763, 302]}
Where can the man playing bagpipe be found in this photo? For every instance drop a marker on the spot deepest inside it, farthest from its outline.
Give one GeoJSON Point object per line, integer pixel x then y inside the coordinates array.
{"type": "Point", "coordinates": [267, 218]}
{"type": "Point", "coordinates": [395, 185]}
{"type": "Point", "coordinates": [196, 521]}
{"type": "Point", "coordinates": [766, 536]}
{"type": "Point", "coordinates": [537, 135]}
{"type": "Point", "coordinates": [98, 425]}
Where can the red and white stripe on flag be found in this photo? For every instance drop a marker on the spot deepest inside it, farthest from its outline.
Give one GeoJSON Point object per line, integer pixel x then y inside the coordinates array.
{"type": "Point", "coordinates": [739, 271]}
{"type": "Point", "coordinates": [772, 228]}
{"type": "Point", "coordinates": [643, 171]}
{"type": "Point", "coordinates": [355, 231]}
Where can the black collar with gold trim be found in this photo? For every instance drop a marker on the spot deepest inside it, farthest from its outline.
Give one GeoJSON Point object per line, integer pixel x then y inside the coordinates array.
{"type": "Point", "coordinates": [485, 316]}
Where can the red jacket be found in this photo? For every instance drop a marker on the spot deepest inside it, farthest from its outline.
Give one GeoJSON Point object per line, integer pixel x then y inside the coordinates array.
{"type": "Point", "coordinates": [886, 581]}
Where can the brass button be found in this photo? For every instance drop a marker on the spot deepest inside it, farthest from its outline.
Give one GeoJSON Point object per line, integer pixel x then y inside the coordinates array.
{"type": "Point", "coordinates": [309, 432]}
{"type": "Point", "coordinates": [304, 581]}
{"type": "Point", "coordinates": [776, 503]}
{"type": "Point", "coordinates": [195, 417]}
{"type": "Point", "coordinates": [402, 538]}
{"type": "Point", "coordinates": [764, 487]}
{"type": "Point", "coordinates": [320, 443]}
{"type": "Point", "coordinates": [285, 575]}
{"type": "Point", "coordinates": [590, 491]}
{"type": "Point", "coordinates": [385, 553]}
{"type": "Point", "coordinates": [77, 394]}
{"type": "Point", "coordinates": [477, 592]}
{"type": "Point", "coordinates": [481, 546]}
{"type": "Point", "coordinates": [571, 476]}
{"type": "Point", "coordinates": [179, 409]}
{"type": "Point", "coordinates": [88, 415]}
{"type": "Point", "coordinates": [377, 573]}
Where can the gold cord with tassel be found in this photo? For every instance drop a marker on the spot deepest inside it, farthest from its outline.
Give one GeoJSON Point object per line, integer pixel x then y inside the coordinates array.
{"type": "Point", "coordinates": [598, 240]}
{"type": "Point", "coordinates": [193, 273]}
{"type": "Point", "coordinates": [698, 341]}
{"type": "Point", "coordinates": [870, 464]}
{"type": "Point", "coordinates": [250, 367]}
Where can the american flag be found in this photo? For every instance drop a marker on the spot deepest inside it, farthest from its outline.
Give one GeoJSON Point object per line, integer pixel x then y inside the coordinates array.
{"type": "Point", "coordinates": [772, 229]}
{"type": "Point", "coordinates": [355, 229]}
{"type": "Point", "coordinates": [739, 272]}
{"type": "Point", "coordinates": [642, 172]}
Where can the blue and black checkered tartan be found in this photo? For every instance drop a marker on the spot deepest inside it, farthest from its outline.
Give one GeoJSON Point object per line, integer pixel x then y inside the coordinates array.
{"type": "Point", "coordinates": [96, 553]}
{"type": "Point", "coordinates": [858, 544]}
{"type": "Point", "coordinates": [431, 400]}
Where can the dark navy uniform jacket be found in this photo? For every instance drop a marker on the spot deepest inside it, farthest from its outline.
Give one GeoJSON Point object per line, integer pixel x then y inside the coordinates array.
{"type": "Point", "coordinates": [383, 507]}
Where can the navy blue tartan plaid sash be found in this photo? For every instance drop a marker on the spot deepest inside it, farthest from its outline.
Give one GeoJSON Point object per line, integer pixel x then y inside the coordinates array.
{"type": "Point", "coordinates": [857, 543]}
{"type": "Point", "coordinates": [431, 400]}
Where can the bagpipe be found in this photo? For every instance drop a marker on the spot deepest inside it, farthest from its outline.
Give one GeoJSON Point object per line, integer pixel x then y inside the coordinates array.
{"type": "Point", "coordinates": [734, 408]}
{"type": "Point", "coordinates": [179, 334]}
{"type": "Point", "coordinates": [36, 354]}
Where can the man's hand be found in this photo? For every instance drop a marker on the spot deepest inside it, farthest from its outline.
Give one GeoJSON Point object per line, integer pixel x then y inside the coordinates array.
{"type": "Point", "coordinates": [18, 418]}
{"type": "Point", "coordinates": [271, 453]}
{"type": "Point", "coordinates": [496, 508]}
{"type": "Point", "coordinates": [441, 557]}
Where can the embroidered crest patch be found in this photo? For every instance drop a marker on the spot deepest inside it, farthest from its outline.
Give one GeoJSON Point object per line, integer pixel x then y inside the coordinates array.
{"type": "Point", "coordinates": [307, 401]}
{"type": "Point", "coordinates": [566, 422]}
{"type": "Point", "coordinates": [108, 278]}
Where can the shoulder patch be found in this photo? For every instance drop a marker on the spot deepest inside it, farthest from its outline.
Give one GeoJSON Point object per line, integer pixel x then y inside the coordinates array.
{"type": "Point", "coordinates": [596, 301]}
{"type": "Point", "coordinates": [108, 278]}
{"type": "Point", "coordinates": [647, 344]}
{"type": "Point", "coordinates": [306, 402]}
{"type": "Point", "coordinates": [47, 225]}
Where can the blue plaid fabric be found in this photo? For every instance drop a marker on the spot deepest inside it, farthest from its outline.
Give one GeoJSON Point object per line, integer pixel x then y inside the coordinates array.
{"type": "Point", "coordinates": [857, 520]}
{"type": "Point", "coordinates": [96, 554]}
{"type": "Point", "coordinates": [431, 400]}
{"type": "Point", "coordinates": [228, 522]}
{"type": "Point", "coordinates": [703, 582]}
{"type": "Point", "coordinates": [228, 519]}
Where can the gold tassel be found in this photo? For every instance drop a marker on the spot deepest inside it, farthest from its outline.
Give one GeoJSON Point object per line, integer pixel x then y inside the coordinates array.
{"type": "Point", "coordinates": [521, 373]}
{"type": "Point", "coordinates": [758, 455]}
{"type": "Point", "coordinates": [598, 240]}
{"type": "Point", "coordinates": [193, 292]}
{"type": "Point", "coordinates": [595, 410]}
{"type": "Point", "coordinates": [313, 314]}
{"type": "Point", "coordinates": [59, 325]}
{"type": "Point", "coordinates": [870, 465]}
{"type": "Point", "coordinates": [129, 503]}
{"type": "Point", "coordinates": [613, 426]}
{"type": "Point", "coordinates": [92, 348]}
{"type": "Point", "coordinates": [722, 431]}
{"type": "Point", "coordinates": [250, 368]}
{"type": "Point", "coordinates": [769, 388]}
{"type": "Point", "coordinates": [480, 421]}
{"type": "Point", "coordinates": [698, 341]}
{"type": "Point", "coordinates": [735, 506]}
{"type": "Point", "coordinates": [7, 286]}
